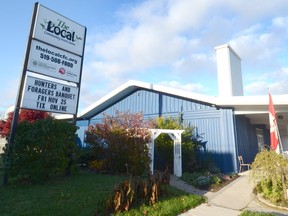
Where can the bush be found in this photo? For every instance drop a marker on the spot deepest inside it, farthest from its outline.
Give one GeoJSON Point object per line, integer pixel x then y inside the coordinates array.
{"type": "Point", "coordinates": [97, 165]}
{"type": "Point", "coordinates": [121, 141]}
{"type": "Point", "coordinates": [191, 178]}
{"type": "Point", "coordinates": [270, 173]}
{"type": "Point", "coordinates": [42, 149]}
{"type": "Point", "coordinates": [204, 180]}
{"type": "Point", "coordinates": [85, 156]}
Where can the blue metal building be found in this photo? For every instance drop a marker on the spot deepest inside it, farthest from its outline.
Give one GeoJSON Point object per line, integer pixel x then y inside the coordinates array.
{"type": "Point", "coordinates": [227, 133]}
{"type": "Point", "coordinates": [232, 124]}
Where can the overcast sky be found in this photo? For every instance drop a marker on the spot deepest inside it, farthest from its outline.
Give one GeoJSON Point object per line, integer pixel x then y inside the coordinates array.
{"type": "Point", "coordinates": [166, 42]}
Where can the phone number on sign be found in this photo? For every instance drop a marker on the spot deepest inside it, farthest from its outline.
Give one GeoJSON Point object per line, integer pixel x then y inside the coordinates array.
{"type": "Point", "coordinates": [56, 60]}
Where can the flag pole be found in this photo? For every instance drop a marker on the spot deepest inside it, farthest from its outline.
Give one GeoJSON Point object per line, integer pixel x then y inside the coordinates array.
{"type": "Point", "coordinates": [279, 139]}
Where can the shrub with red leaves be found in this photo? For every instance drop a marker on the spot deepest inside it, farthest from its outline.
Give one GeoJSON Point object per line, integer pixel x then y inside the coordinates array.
{"type": "Point", "coordinates": [24, 115]}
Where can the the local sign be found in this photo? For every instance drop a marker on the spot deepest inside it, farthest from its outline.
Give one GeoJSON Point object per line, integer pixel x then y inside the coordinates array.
{"type": "Point", "coordinates": [58, 30]}
{"type": "Point", "coordinates": [45, 95]}
{"type": "Point", "coordinates": [51, 61]}
{"type": "Point", "coordinates": [55, 49]}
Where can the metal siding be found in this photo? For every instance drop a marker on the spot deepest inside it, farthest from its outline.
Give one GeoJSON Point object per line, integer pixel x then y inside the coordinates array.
{"type": "Point", "coordinates": [171, 114]}
{"type": "Point", "coordinates": [150, 116]}
{"type": "Point", "coordinates": [82, 127]}
{"type": "Point", "coordinates": [172, 104]}
{"type": "Point", "coordinates": [246, 139]}
{"type": "Point", "coordinates": [140, 101]}
{"type": "Point", "coordinates": [175, 104]}
{"type": "Point", "coordinates": [228, 154]}
{"type": "Point", "coordinates": [82, 123]}
{"type": "Point", "coordinates": [216, 126]}
{"type": "Point", "coordinates": [208, 129]}
{"type": "Point", "coordinates": [95, 120]}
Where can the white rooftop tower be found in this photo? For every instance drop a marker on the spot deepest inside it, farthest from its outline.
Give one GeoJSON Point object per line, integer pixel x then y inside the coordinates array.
{"type": "Point", "coordinates": [229, 72]}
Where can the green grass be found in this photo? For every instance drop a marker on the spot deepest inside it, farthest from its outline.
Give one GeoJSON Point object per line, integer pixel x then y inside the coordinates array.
{"type": "Point", "coordinates": [252, 213]}
{"type": "Point", "coordinates": [76, 195]}
{"type": "Point", "coordinates": [79, 195]}
{"type": "Point", "coordinates": [169, 206]}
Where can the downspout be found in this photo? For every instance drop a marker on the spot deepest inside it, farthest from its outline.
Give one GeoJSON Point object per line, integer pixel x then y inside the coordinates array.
{"type": "Point", "coordinates": [160, 108]}
{"type": "Point", "coordinates": [236, 142]}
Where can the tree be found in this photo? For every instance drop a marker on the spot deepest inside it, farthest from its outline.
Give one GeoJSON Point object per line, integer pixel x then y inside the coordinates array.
{"type": "Point", "coordinates": [24, 115]}
{"type": "Point", "coordinates": [270, 175]}
{"type": "Point", "coordinates": [121, 142]}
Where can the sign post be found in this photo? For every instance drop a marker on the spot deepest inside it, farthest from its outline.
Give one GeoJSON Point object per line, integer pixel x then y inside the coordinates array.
{"type": "Point", "coordinates": [55, 50]}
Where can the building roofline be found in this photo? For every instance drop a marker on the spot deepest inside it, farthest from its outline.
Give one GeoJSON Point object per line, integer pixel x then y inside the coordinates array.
{"type": "Point", "coordinates": [240, 104]}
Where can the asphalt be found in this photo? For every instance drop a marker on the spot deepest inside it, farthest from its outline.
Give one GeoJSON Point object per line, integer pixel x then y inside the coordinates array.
{"type": "Point", "coordinates": [231, 200]}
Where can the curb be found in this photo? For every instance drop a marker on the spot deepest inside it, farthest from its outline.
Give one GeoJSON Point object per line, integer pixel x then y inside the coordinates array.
{"type": "Point", "coordinates": [268, 203]}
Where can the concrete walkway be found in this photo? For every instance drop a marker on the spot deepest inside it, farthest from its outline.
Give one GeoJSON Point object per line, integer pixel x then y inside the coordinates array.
{"type": "Point", "coordinates": [231, 200]}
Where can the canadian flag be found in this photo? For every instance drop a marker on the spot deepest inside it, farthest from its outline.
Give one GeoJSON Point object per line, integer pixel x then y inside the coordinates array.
{"type": "Point", "coordinates": [273, 127]}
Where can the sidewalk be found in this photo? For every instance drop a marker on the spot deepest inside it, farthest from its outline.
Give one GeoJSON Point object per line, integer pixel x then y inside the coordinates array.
{"type": "Point", "coordinates": [231, 200]}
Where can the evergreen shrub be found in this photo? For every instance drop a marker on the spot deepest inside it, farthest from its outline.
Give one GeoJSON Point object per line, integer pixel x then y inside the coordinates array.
{"type": "Point", "coordinates": [42, 149]}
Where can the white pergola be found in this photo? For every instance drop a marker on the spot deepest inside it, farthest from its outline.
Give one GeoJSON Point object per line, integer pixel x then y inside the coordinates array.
{"type": "Point", "coordinates": [176, 137]}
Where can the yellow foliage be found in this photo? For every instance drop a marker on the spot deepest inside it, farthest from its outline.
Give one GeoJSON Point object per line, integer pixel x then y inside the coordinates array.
{"type": "Point", "coordinates": [96, 165]}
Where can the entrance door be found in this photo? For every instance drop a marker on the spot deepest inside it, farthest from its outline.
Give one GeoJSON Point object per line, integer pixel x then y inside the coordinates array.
{"type": "Point", "coordinates": [260, 141]}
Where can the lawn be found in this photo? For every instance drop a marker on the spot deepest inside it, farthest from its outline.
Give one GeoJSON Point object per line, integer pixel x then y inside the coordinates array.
{"type": "Point", "coordinates": [251, 213]}
{"type": "Point", "coordinates": [76, 195]}
{"type": "Point", "coordinates": [79, 195]}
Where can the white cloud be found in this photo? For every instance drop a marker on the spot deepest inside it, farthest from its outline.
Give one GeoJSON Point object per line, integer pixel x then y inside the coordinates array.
{"type": "Point", "coordinates": [162, 41]}
{"type": "Point", "coordinates": [89, 96]}
{"type": "Point", "coordinates": [8, 95]}
{"type": "Point", "coordinates": [276, 81]}
{"type": "Point", "coordinates": [181, 35]}
{"type": "Point", "coordinates": [280, 22]}
{"type": "Point", "coordinates": [190, 87]}
{"type": "Point", "coordinates": [194, 65]}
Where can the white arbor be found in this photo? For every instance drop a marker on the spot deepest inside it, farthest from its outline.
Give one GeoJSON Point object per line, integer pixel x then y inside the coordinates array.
{"type": "Point", "coordinates": [176, 137]}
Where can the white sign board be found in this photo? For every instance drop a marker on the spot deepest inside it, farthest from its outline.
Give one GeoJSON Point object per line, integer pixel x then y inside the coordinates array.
{"type": "Point", "coordinates": [58, 30]}
{"type": "Point", "coordinates": [50, 61]}
{"type": "Point", "coordinates": [45, 95]}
